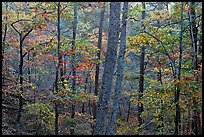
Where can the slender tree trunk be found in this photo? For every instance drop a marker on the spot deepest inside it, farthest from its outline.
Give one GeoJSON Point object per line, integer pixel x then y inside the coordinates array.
{"type": "Point", "coordinates": [22, 38]}
{"type": "Point", "coordinates": [120, 75]}
{"type": "Point", "coordinates": [141, 80]}
{"type": "Point", "coordinates": [196, 127]}
{"type": "Point", "coordinates": [99, 56]}
{"type": "Point", "coordinates": [4, 39]}
{"type": "Point", "coordinates": [5, 32]}
{"type": "Point", "coordinates": [111, 55]}
{"type": "Point", "coordinates": [178, 116]}
{"type": "Point", "coordinates": [128, 114]}
{"type": "Point", "coordinates": [161, 117]}
{"type": "Point", "coordinates": [58, 68]}
{"type": "Point", "coordinates": [85, 89]}
{"type": "Point", "coordinates": [29, 70]}
{"type": "Point", "coordinates": [73, 67]}
{"type": "Point", "coordinates": [21, 81]}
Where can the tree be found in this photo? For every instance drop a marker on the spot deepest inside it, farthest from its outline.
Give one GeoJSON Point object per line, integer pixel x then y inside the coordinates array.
{"type": "Point", "coordinates": [141, 80]}
{"type": "Point", "coordinates": [177, 95]}
{"type": "Point", "coordinates": [111, 54]}
{"type": "Point", "coordinates": [99, 56]}
{"type": "Point", "coordinates": [58, 66]}
{"type": "Point", "coordinates": [22, 38]}
{"type": "Point", "coordinates": [73, 66]}
{"type": "Point", "coordinates": [120, 75]}
{"type": "Point", "coordinates": [193, 35]}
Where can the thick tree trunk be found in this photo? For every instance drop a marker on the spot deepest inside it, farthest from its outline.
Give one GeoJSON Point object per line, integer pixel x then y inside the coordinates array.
{"type": "Point", "coordinates": [120, 67]}
{"type": "Point", "coordinates": [99, 56]}
{"type": "Point", "coordinates": [141, 80]}
{"type": "Point", "coordinates": [73, 67]}
{"type": "Point", "coordinates": [111, 55]}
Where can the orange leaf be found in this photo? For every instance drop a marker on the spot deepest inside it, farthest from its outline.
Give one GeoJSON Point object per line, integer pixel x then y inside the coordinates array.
{"type": "Point", "coordinates": [79, 69]}
{"type": "Point", "coordinates": [65, 76]}
{"type": "Point", "coordinates": [176, 82]}
{"type": "Point", "coordinates": [188, 56]}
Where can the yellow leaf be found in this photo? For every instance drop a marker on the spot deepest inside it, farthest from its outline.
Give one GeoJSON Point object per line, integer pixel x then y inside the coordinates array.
{"type": "Point", "coordinates": [156, 70]}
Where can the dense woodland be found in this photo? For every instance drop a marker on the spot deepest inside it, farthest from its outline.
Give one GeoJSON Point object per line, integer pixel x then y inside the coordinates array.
{"type": "Point", "coordinates": [101, 68]}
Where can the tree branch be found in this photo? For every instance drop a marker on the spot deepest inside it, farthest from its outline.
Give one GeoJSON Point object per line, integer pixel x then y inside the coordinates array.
{"type": "Point", "coordinates": [25, 35]}
{"type": "Point", "coordinates": [28, 51]}
{"type": "Point", "coordinates": [166, 52]}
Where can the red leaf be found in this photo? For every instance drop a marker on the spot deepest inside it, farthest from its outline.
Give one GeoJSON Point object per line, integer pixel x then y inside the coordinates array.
{"type": "Point", "coordinates": [44, 14]}
{"type": "Point", "coordinates": [36, 9]}
{"type": "Point", "coordinates": [79, 69]}
{"type": "Point", "coordinates": [79, 79]}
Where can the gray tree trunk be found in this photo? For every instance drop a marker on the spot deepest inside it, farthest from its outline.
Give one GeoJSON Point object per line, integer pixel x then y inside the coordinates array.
{"type": "Point", "coordinates": [111, 55]}
{"type": "Point", "coordinates": [99, 56]}
{"type": "Point", "coordinates": [120, 67]}
{"type": "Point", "coordinates": [73, 67]}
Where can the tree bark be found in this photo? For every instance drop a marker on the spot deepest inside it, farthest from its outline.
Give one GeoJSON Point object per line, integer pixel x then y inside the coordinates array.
{"type": "Point", "coordinates": [120, 75]}
{"type": "Point", "coordinates": [57, 72]}
{"type": "Point", "coordinates": [178, 115]}
{"type": "Point", "coordinates": [73, 67]}
{"type": "Point", "coordinates": [111, 55]}
{"type": "Point", "coordinates": [99, 56]}
{"type": "Point", "coordinates": [5, 33]}
{"type": "Point", "coordinates": [4, 39]}
{"type": "Point", "coordinates": [22, 38]}
{"type": "Point", "coordinates": [141, 80]}
{"type": "Point", "coordinates": [196, 127]}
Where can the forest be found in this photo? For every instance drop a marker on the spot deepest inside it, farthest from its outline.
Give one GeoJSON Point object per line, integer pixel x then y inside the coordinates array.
{"type": "Point", "coordinates": [101, 68]}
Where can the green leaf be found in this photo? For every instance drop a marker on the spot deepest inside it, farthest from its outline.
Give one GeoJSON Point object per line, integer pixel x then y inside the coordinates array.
{"type": "Point", "coordinates": [69, 122]}
{"type": "Point", "coordinates": [34, 54]}
{"type": "Point", "coordinates": [163, 108]}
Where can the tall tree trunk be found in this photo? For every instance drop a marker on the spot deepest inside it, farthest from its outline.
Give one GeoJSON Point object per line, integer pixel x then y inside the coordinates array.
{"type": "Point", "coordinates": [128, 113]}
{"type": "Point", "coordinates": [178, 115]}
{"type": "Point", "coordinates": [73, 67]}
{"type": "Point", "coordinates": [22, 38]}
{"type": "Point", "coordinates": [85, 89]}
{"type": "Point", "coordinates": [196, 127]}
{"type": "Point", "coordinates": [99, 57]}
{"type": "Point", "coordinates": [4, 39]}
{"type": "Point", "coordinates": [120, 75]}
{"type": "Point", "coordinates": [141, 80]}
{"type": "Point", "coordinates": [58, 68]}
{"type": "Point", "coordinates": [161, 102]}
{"type": "Point", "coordinates": [111, 55]}
{"type": "Point", "coordinates": [29, 69]}
{"type": "Point", "coordinates": [5, 32]}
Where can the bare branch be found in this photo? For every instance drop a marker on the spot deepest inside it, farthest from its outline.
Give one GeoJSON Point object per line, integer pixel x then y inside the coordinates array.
{"type": "Point", "coordinates": [26, 35]}
{"type": "Point", "coordinates": [28, 51]}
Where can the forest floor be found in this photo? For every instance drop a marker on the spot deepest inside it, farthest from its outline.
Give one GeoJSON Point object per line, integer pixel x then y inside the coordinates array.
{"type": "Point", "coordinates": [8, 126]}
